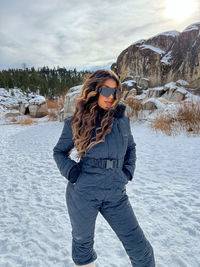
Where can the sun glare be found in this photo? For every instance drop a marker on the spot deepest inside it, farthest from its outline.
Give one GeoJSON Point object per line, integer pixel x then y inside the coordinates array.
{"type": "Point", "coordinates": [180, 9]}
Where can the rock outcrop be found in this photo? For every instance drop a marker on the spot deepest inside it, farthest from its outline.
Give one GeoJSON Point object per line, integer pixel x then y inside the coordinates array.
{"type": "Point", "coordinates": [14, 102]}
{"type": "Point", "coordinates": [69, 104]}
{"type": "Point", "coordinates": [158, 97]}
{"type": "Point", "coordinates": [164, 58]}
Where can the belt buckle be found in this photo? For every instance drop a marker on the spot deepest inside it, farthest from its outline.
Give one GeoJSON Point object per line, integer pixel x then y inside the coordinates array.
{"type": "Point", "coordinates": [109, 163]}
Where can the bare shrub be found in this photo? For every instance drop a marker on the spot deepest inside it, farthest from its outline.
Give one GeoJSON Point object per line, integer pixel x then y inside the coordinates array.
{"type": "Point", "coordinates": [54, 106]}
{"type": "Point", "coordinates": [58, 103]}
{"type": "Point", "coordinates": [135, 105]}
{"type": "Point", "coordinates": [53, 115]}
{"type": "Point", "coordinates": [163, 123]}
{"type": "Point", "coordinates": [27, 121]}
{"type": "Point", "coordinates": [51, 104]}
{"type": "Point", "coordinates": [13, 120]}
{"type": "Point", "coordinates": [22, 121]}
{"type": "Point", "coordinates": [186, 118]}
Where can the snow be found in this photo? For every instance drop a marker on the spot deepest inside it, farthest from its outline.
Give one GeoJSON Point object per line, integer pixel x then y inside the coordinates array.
{"type": "Point", "coordinates": [37, 100]}
{"type": "Point", "coordinates": [15, 96]}
{"type": "Point", "coordinates": [129, 82]}
{"type": "Point", "coordinates": [4, 92]}
{"type": "Point", "coordinates": [167, 33]}
{"type": "Point", "coordinates": [182, 90]}
{"type": "Point", "coordinates": [166, 58]}
{"type": "Point", "coordinates": [139, 42]}
{"type": "Point", "coordinates": [74, 90]}
{"type": "Point", "coordinates": [153, 48]}
{"type": "Point", "coordinates": [35, 226]}
{"type": "Point", "coordinates": [171, 85]}
{"type": "Point", "coordinates": [11, 97]}
{"type": "Point", "coordinates": [193, 27]}
{"type": "Point", "coordinates": [77, 87]}
{"type": "Point", "coordinates": [194, 98]}
{"type": "Point", "coordinates": [13, 111]}
{"type": "Point", "coordinates": [146, 79]}
{"type": "Point", "coordinates": [182, 82]}
{"type": "Point", "coordinates": [141, 96]}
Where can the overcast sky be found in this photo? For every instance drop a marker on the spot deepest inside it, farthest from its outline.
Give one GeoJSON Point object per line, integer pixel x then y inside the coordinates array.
{"type": "Point", "coordinates": [83, 33]}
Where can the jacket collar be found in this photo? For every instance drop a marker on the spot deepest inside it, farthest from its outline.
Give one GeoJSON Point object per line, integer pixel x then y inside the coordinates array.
{"type": "Point", "coordinates": [120, 111]}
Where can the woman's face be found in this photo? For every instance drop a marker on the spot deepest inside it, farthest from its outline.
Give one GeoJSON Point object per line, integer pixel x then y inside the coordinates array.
{"type": "Point", "coordinates": [106, 102]}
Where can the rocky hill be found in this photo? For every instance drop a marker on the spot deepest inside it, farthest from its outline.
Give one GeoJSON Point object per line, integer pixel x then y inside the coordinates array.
{"type": "Point", "coordinates": [164, 58]}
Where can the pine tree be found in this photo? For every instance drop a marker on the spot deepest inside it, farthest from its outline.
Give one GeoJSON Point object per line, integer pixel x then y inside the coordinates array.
{"type": "Point", "coordinates": [49, 82]}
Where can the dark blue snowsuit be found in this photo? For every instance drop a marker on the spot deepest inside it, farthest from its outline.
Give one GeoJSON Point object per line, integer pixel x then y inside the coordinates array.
{"type": "Point", "coordinates": [101, 187]}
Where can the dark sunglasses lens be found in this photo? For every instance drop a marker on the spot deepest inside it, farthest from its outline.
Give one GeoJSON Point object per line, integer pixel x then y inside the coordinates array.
{"type": "Point", "coordinates": [106, 91]}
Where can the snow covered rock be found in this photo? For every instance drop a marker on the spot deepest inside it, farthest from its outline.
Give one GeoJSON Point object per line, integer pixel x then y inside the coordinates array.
{"type": "Point", "coordinates": [38, 107]}
{"type": "Point", "coordinates": [173, 92]}
{"type": "Point", "coordinates": [155, 92]}
{"type": "Point", "coordinates": [128, 84]}
{"type": "Point", "coordinates": [14, 102]}
{"type": "Point", "coordinates": [38, 110]}
{"type": "Point", "coordinates": [70, 98]}
{"type": "Point", "coordinates": [135, 82]}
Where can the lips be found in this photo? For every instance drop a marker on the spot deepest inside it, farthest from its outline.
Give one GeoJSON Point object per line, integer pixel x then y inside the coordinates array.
{"type": "Point", "coordinates": [107, 102]}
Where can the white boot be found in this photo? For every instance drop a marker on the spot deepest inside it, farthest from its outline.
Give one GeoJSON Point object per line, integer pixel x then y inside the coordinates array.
{"type": "Point", "coordinates": [91, 264]}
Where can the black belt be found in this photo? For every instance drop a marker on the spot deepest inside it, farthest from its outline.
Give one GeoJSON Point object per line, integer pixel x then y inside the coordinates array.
{"type": "Point", "coordinates": [103, 163]}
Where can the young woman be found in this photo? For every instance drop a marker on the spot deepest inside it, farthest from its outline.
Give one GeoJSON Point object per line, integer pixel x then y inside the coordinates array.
{"type": "Point", "coordinates": [101, 133]}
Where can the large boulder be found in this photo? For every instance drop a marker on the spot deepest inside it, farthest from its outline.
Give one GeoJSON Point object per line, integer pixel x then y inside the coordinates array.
{"type": "Point", "coordinates": [38, 107]}
{"type": "Point", "coordinates": [70, 98]}
{"type": "Point", "coordinates": [166, 57]}
{"type": "Point", "coordinates": [152, 103]}
{"type": "Point", "coordinates": [137, 82]}
{"type": "Point", "coordinates": [127, 85]}
{"type": "Point", "coordinates": [174, 93]}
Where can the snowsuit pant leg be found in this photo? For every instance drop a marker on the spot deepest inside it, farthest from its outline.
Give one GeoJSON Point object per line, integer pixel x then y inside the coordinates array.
{"type": "Point", "coordinates": [123, 221]}
{"type": "Point", "coordinates": [82, 216]}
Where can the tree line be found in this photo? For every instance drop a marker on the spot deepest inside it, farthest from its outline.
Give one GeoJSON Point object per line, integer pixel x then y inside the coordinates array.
{"type": "Point", "coordinates": [44, 81]}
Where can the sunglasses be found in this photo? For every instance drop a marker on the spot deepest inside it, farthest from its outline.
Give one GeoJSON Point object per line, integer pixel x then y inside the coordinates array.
{"type": "Point", "coordinates": [106, 91]}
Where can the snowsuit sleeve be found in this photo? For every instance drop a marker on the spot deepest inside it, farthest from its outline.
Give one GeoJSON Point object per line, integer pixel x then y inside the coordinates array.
{"type": "Point", "coordinates": [62, 149]}
{"type": "Point", "coordinates": [130, 156]}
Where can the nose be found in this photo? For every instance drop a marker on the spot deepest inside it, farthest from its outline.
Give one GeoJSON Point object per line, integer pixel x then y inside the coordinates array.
{"type": "Point", "coordinates": [111, 97]}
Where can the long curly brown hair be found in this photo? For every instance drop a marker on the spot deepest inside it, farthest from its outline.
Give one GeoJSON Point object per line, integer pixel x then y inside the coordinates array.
{"type": "Point", "coordinates": [86, 112]}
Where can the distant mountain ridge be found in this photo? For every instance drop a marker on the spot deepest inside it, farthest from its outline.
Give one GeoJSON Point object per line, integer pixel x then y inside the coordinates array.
{"type": "Point", "coordinates": [166, 57]}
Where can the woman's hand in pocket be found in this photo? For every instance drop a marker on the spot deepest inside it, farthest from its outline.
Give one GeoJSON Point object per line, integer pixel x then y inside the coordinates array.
{"type": "Point", "coordinates": [74, 173]}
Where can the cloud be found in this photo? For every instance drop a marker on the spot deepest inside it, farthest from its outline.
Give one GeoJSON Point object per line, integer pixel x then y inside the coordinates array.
{"type": "Point", "coordinates": [76, 33]}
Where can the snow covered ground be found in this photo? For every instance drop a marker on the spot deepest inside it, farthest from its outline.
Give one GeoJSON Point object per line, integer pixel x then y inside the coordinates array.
{"type": "Point", "coordinates": [34, 225]}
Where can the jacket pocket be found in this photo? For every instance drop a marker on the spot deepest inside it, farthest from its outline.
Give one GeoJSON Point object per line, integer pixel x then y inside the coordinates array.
{"type": "Point", "coordinates": [123, 176]}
